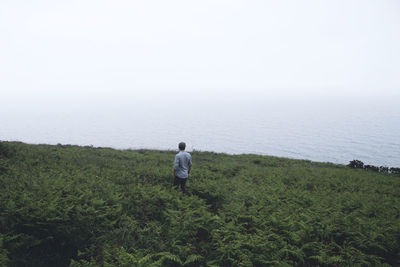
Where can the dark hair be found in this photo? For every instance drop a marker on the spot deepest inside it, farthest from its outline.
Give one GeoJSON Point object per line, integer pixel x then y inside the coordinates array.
{"type": "Point", "coordinates": [182, 146]}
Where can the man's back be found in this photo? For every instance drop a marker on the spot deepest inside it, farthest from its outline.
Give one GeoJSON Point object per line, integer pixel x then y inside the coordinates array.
{"type": "Point", "coordinates": [182, 164]}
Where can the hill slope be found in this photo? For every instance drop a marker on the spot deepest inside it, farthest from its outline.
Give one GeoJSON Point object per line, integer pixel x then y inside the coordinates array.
{"type": "Point", "coordinates": [84, 206]}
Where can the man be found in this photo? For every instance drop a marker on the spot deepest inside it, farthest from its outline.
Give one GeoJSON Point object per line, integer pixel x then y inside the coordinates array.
{"type": "Point", "coordinates": [182, 166]}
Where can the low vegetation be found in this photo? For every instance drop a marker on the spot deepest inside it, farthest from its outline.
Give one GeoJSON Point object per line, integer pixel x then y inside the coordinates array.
{"type": "Point", "coordinates": [358, 164]}
{"type": "Point", "coordinates": [82, 206]}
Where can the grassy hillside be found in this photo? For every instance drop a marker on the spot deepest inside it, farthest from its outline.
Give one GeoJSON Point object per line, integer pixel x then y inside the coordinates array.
{"type": "Point", "coordinates": [84, 206]}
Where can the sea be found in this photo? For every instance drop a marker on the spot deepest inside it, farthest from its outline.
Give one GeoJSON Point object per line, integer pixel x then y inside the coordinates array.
{"type": "Point", "coordinates": [321, 128]}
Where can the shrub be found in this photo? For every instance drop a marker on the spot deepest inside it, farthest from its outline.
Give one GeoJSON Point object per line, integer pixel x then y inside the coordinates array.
{"type": "Point", "coordinates": [371, 168]}
{"type": "Point", "coordinates": [356, 164]}
{"type": "Point", "coordinates": [395, 170]}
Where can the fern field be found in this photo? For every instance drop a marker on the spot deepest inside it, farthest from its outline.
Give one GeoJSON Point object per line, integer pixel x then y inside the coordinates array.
{"type": "Point", "coordinates": [76, 206]}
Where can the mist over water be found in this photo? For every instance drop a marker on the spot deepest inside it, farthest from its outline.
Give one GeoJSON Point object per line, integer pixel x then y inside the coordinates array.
{"type": "Point", "coordinates": [329, 129]}
{"type": "Point", "coordinates": [283, 78]}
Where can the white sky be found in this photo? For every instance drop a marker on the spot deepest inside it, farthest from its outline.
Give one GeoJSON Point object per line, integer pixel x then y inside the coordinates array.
{"type": "Point", "coordinates": [341, 47]}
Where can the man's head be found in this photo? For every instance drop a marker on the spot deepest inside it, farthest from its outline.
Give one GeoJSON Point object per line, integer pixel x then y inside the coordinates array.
{"type": "Point", "coordinates": [182, 146]}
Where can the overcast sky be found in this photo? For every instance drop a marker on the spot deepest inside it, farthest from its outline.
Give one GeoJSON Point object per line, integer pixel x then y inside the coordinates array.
{"type": "Point", "coordinates": [148, 47]}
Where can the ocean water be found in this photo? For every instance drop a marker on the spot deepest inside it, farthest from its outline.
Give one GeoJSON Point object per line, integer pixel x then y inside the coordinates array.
{"type": "Point", "coordinates": [325, 129]}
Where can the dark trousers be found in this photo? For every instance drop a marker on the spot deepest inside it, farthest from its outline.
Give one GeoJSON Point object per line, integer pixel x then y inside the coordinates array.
{"type": "Point", "coordinates": [180, 181]}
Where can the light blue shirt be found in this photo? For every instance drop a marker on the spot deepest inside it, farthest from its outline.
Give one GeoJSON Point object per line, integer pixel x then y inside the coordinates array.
{"type": "Point", "coordinates": [182, 163]}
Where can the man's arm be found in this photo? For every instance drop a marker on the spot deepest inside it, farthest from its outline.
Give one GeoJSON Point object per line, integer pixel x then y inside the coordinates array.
{"type": "Point", "coordinates": [190, 164]}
